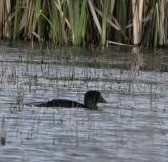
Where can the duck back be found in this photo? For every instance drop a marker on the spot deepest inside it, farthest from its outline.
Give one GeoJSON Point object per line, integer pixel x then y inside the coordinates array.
{"type": "Point", "coordinates": [60, 103]}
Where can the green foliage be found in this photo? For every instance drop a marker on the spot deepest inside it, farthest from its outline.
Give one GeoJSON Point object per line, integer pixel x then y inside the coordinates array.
{"type": "Point", "coordinates": [77, 21]}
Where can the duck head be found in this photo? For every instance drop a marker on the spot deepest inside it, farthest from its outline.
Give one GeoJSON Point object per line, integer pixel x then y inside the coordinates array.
{"type": "Point", "coordinates": [92, 98]}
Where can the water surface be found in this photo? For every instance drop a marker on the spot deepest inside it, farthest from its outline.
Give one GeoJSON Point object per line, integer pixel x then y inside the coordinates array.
{"type": "Point", "coordinates": [132, 126]}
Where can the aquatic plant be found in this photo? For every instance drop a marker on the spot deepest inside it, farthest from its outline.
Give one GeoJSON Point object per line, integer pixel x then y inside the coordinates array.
{"type": "Point", "coordinates": [85, 21]}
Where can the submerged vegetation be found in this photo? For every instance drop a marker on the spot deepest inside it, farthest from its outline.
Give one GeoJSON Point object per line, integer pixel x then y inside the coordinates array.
{"type": "Point", "coordinates": [85, 22]}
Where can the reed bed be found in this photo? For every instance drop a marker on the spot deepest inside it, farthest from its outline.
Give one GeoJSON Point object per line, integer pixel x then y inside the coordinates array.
{"type": "Point", "coordinates": [85, 22]}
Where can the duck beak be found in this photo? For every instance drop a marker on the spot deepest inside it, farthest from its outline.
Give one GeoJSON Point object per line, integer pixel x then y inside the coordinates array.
{"type": "Point", "coordinates": [102, 100]}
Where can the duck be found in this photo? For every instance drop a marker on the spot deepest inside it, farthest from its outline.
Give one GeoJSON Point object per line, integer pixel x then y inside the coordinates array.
{"type": "Point", "coordinates": [91, 99]}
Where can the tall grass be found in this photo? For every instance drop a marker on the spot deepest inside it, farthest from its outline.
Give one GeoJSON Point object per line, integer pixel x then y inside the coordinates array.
{"type": "Point", "coordinates": [80, 22]}
{"type": "Point", "coordinates": [77, 19]}
{"type": "Point", "coordinates": [106, 12]}
{"type": "Point", "coordinates": [59, 21]}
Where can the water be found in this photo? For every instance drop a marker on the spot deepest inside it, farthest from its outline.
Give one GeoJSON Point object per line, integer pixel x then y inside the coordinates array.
{"type": "Point", "coordinates": [132, 126]}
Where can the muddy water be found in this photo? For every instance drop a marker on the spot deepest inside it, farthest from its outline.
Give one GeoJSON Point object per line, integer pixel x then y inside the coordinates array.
{"type": "Point", "coordinates": [132, 126]}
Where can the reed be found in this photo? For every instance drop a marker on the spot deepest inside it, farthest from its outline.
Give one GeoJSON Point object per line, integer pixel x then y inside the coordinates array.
{"type": "Point", "coordinates": [136, 22]}
{"type": "Point", "coordinates": [137, 10]}
{"type": "Point", "coordinates": [161, 20]}
{"type": "Point", "coordinates": [1, 18]}
{"type": "Point", "coordinates": [58, 21]}
{"type": "Point", "coordinates": [121, 17]}
{"type": "Point", "coordinates": [77, 19]}
{"type": "Point", "coordinates": [16, 21]}
{"type": "Point", "coordinates": [106, 12]}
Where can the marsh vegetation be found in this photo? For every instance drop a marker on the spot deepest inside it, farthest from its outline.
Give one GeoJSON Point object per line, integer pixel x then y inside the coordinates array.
{"type": "Point", "coordinates": [85, 22]}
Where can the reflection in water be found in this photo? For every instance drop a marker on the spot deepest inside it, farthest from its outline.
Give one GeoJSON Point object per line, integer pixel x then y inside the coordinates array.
{"type": "Point", "coordinates": [132, 126]}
